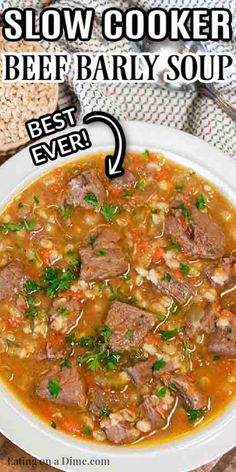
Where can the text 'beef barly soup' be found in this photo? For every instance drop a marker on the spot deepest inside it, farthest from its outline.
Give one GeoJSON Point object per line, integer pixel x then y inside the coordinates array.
{"type": "Point", "coordinates": [118, 309]}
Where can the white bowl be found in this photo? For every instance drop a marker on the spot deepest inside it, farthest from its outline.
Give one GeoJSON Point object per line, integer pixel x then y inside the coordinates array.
{"type": "Point", "coordinates": [26, 430]}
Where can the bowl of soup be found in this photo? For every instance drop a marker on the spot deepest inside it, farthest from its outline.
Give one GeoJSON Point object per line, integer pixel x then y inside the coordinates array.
{"type": "Point", "coordinates": [118, 303]}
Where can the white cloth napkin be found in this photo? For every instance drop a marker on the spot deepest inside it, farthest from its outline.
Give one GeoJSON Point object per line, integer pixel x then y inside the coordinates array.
{"type": "Point", "coordinates": [190, 112]}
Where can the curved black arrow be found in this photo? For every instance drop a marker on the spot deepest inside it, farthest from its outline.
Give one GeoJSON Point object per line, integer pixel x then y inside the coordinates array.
{"type": "Point", "coordinates": [113, 164]}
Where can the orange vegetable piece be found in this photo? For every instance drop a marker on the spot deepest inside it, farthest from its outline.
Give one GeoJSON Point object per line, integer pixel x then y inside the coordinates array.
{"type": "Point", "coordinates": [178, 274]}
{"type": "Point", "coordinates": [45, 255]}
{"type": "Point", "coordinates": [71, 294]}
{"type": "Point", "coordinates": [158, 254]}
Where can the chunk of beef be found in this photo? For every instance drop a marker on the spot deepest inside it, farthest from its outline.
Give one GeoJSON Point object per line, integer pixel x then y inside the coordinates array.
{"type": "Point", "coordinates": [55, 348]}
{"type": "Point", "coordinates": [104, 258]}
{"type": "Point", "coordinates": [200, 319]}
{"type": "Point", "coordinates": [152, 410]}
{"type": "Point", "coordinates": [193, 399]}
{"type": "Point", "coordinates": [119, 431]}
{"type": "Point", "coordinates": [223, 275]}
{"type": "Point", "coordinates": [198, 234]}
{"type": "Point", "coordinates": [208, 236]}
{"type": "Point", "coordinates": [223, 340]}
{"type": "Point", "coordinates": [125, 180]}
{"type": "Point", "coordinates": [129, 326]}
{"type": "Point", "coordinates": [71, 386]}
{"type": "Point", "coordinates": [86, 183]}
{"type": "Point", "coordinates": [63, 313]}
{"type": "Point", "coordinates": [12, 279]}
{"type": "Point", "coordinates": [142, 372]}
{"type": "Point", "coordinates": [110, 399]}
{"type": "Point", "coordinates": [178, 289]}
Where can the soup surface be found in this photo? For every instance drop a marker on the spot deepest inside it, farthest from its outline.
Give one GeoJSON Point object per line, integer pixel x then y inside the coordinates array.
{"type": "Point", "coordinates": [117, 312]}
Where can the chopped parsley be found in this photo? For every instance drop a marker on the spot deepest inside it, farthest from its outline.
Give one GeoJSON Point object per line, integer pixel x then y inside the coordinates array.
{"type": "Point", "coordinates": [129, 335]}
{"type": "Point", "coordinates": [63, 311]}
{"type": "Point", "coordinates": [185, 211]}
{"type": "Point", "coordinates": [142, 185]}
{"type": "Point", "coordinates": [193, 415]}
{"type": "Point", "coordinates": [28, 225]}
{"type": "Point", "coordinates": [108, 212]}
{"type": "Point", "coordinates": [67, 212]}
{"type": "Point", "coordinates": [53, 425]}
{"type": "Point", "coordinates": [54, 388]}
{"type": "Point", "coordinates": [30, 314]}
{"type": "Point", "coordinates": [146, 153]}
{"type": "Point", "coordinates": [102, 252]}
{"type": "Point", "coordinates": [172, 388]}
{"type": "Point", "coordinates": [174, 245]}
{"type": "Point", "coordinates": [215, 357]}
{"type": "Point", "coordinates": [57, 280]}
{"type": "Point", "coordinates": [185, 269]}
{"type": "Point", "coordinates": [229, 329]}
{"type": "Point", "coordinates": [201, 203]}
{"type": "Point", "coordinates": [159, 364]}
{"type": "Point", "coordinates": [86, 430]}
{"type": "Point", "coordinates": [166, 335]}
{"type": "Point", "coordinates": [92, 239]}
{"type": "Point", "coordinates": [166, 278]}
{"type": "Point", "coordinates": [70, 338]}
{"type": "Point", "coordinates": [104, 412]}
{"type": "Point", "coordinates": [36, 199]}
{"type": "Point", "coordinates": [91, 198]}
{"type": "Point", "coordinates": [161, 392]}
{"type": "Point", "coordinates": [66, 363]}
{"type": "Point", "coordinates": [179, 188]}
{"type": "Point", "coordinates": [127, 193]}
{"type": "Point", "coordinates": [30, 286]}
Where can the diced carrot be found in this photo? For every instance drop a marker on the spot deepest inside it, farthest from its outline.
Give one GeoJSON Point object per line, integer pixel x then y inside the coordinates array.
{"type": "Point", "coordinates": [57, 187]}
{"type": "Point", "coordinates": [45, 255]}
{"type": "Point", "coordinates": [57, 339]}
{"type": "Point", "coordinates": [115, 192]}
{"type": "Point", "coordinates": [163, 174]}
{"type": "Point", "coordinates": [150, 339]}
{"type": "Point", "coordinates": [14, 322]}
{"type": "Point", "coordinates": [69, 425]}
{"type": "Point", "coordinates": [177, 273]}
{"type": "Point", "coordinates": [153, 156]}
{"type": "Point", "coordinates": [71, 294]}
{"type": "Point", "coordinates": [141, 246]}
{"type": "Point", "coordinates": [89, 379]}
{"type": "Point", "coordinates": [158, 254]}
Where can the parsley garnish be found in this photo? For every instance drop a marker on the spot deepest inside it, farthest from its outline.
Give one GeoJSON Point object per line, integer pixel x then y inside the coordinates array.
{"type": "Point", "coordinates": [161, 393]}
{"type": "Point", "coordinates": [57, 280]}
{"type": "Point", "coordinates": [179, 188]}
{"type": "Point", "coordinates": [129, 335]}
{"type": "Point", "coordinates": [53, 425]}
{"type": "Point", "coordinates": [127, 193]}
{"type": "Point", "coordinates": [31, 286]}
{"type": "Point", "coordinates": [185, 269]}
{"type": "Point", "coordinates": [159, 364]}
{"type": "Point", "coordinates": [67, 212]}
{"type": "Point", "coordinates": [102, 252]}
{"type": "Point", "coordinates": [66, 363]}
{"type": "Point", "coordinates": [201, 203]}
{"type": "Point", "coordinates": [166, 278]}
{"type": "Point", "coordinates": [193, 415]}
{"type": "Point", "coordinates": [92, 239]}
{"type": "Point", "coordinates": [104, 412]}
{"type": "Point", "coordinates": [54, 388]}
{"type": "Point", "coordinates": [36, 199]}
{"type": "Point", "coordinates": [166, 335]}
{"type": "Point", "coordinates": [142, 185]}
{"type": "Point", "coordinates": [146, 152]}
{"type": "Point", "coordinates": [185, 212]}
{"type": "Point", "coordinates": [63, 311]}
{"type": "Point", "coordinates": [86, 430]}
{"type": "Point", "coordinates": [215, 358]}
{"type": "Point", "coordinates": [174, 245]}
{"type": "Point", "coordinates": [108, 212]}
{"type": "Point", "coordinates": [91, 198]}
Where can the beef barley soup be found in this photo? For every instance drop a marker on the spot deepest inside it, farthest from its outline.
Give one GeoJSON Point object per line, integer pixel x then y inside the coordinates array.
{"type": "Point", "coordinates": [117, 300]}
